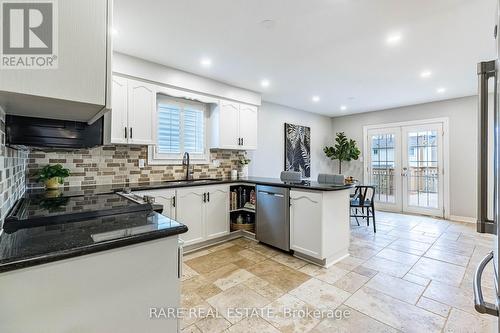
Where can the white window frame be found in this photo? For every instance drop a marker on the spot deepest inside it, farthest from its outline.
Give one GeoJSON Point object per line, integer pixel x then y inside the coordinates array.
{"type": "Point", "coordinates": [156, 158]}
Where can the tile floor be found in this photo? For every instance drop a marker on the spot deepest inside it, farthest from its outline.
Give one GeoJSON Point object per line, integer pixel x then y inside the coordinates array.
{"type": "Point", "coordinates": [414, 275]}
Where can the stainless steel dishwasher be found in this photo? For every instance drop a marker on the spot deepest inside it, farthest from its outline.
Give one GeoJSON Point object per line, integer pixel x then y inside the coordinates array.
{"type": "Point", "coordinates": [272, 224]}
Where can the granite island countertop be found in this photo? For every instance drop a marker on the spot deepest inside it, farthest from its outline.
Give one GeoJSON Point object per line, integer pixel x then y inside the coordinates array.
{"type": "Point", "coordinates": [37, 245]}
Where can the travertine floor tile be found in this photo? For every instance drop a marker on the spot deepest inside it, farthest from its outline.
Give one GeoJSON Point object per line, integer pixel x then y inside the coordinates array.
{"type": "Point", "coordinates": [433, 306]}
{"type": "Point", "coordinates": [320, 295]}
{"type": "Point", "coordinates": [396, 313]}
{"type": "Point", "coordinates": [289, 261]}
{"type": "Point", "coordinates": [398, 256]}
{"type": "Point", "coordinates": [461, 322]}
{"type": "Point", "coordinates": [331, 275]}
{"type": "Point", "coordinates": [351, 282]}
{"type": "Point", "coordinates": [252, 325]}
{"type": "Point", "coordinates": [439, 271]}
{"type": "Point", "coordinates": [279, 275]}
{"type": "Point", "coordinates": [236, 277]}
{"type": "Point", "coordinates": [286, 315]}
{"type": "Point", "coordinates": [355, 322]}
{"type": "Point", "coordinates": [237, 297]}
{"type": "Point", "coordinates": [397, 288]}
{"type": "Point", "coordinates": [387, 266]}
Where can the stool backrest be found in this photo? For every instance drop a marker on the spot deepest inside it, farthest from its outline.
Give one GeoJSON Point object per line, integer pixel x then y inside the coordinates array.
{"type": "Point", "coordinates": [364, 193]}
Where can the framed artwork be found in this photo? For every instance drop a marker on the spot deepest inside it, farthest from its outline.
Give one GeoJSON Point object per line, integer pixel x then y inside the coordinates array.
{"type": "Point", "coordinates": [298, 149]}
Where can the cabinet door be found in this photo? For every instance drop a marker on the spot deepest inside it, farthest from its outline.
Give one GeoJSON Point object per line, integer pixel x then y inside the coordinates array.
{"type": "Point", "coordinates": [141, 110]}
{"type": "Point", "coordinates": [305, 223]}
{"type": "Point", "coordinates": [228, 125]}
{"type": "Point", "coordinates": [248, 126]}
{"type": "Point", "coordinates": [119, 130]}
{"type": "Point", "coordinates": [217, 212]}
{"type": "Point", "coordinates": [190, 211]}
{"type": "Point", "coordinates": [82, 50]}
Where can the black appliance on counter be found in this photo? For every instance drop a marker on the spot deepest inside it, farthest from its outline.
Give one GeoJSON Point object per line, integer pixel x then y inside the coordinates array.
{"type": "Point", "coordinates": [48, 209]}
{"type": "Point", "coordinates": [42, 132]}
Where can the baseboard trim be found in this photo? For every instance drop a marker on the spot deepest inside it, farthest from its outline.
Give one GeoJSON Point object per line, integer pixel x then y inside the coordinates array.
{"type": "Point", "coordinates": [465, 219]}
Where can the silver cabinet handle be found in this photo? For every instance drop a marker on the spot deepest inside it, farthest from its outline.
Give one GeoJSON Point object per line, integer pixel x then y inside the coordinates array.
{"type": "Point", "coordinates": [179, 261]}
{"type": "Point", "coordinates": [479, 304]}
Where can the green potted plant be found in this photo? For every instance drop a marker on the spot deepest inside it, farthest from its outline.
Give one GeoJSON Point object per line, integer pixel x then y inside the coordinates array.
{"type": "Point", "coordinates": [52, 176]}
{"type": "Point", "coordinates": [344, 150]}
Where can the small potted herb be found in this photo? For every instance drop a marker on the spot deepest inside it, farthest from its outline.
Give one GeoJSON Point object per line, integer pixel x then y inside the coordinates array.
{"type": "Point", "coordinates": [244, 167]}
{"type": "Point", "coordinates": [52, 176]}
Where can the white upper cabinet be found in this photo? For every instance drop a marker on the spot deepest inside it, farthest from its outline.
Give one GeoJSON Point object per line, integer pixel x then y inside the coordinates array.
{"type": "Point", "coordinates": [248, 126]}
{"type": "Point", "coordinates": [78, 88]}
{"type": "Point", "coordinates": [119, 123]}
{"type": "Point", "coordinates": [234, 126]}
{"type": "Point", "coordinates": [141, 109]}
{"type": "Point", "coordinates": [131, 118]}
{"type": "Point", "coordinates": [228, 125]}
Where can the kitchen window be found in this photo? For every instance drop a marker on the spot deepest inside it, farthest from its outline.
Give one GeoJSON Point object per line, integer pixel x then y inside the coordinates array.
{"type": "Point", "coordinates": [181, 127]}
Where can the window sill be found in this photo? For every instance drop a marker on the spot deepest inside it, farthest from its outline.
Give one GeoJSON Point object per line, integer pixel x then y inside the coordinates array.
{"type": "Point", "coordinates": [174, 161]}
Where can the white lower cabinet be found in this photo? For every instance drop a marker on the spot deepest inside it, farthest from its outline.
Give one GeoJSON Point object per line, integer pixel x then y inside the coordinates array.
{"type": "Point", "coordinates": [305, 223]}
{"type": "Point", "coordinates": [205, 211]}
{"type": "Point", "coordinates": [164, 197]}
{"type": "Point", "coordinates": [319, 225]}
{"type": "Point", "coordinates": [191, 211]}
{"type": "Point", "coordinates": [216, 212]}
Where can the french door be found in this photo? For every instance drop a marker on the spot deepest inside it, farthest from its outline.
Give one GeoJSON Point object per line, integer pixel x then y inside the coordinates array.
{"type": "Point", "coordinates": [405, 164]}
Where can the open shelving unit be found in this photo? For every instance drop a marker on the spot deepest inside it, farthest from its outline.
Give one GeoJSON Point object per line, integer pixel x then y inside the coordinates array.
{"type": "Point", "coordinates": [239, 195]}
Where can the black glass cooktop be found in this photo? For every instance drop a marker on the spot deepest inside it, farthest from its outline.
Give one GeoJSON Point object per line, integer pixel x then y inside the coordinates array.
{"type": "Point", "coordinates": [44, 209]}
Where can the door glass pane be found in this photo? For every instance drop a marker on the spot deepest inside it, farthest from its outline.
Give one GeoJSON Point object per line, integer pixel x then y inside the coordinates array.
{"type": "Point", "coordinates": [423, 170]}
{"type": "Point", "coordinates": [382, 167]}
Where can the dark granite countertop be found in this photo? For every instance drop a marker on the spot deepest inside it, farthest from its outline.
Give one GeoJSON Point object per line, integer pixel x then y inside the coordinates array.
{"type": "Point", "coordinates": [38, 245]}
{"type": "Point", "coordinates": [99, 189]}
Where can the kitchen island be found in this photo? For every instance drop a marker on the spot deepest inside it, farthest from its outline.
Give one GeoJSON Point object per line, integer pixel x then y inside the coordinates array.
{"type": "Point", "coordinates": [101, 274]}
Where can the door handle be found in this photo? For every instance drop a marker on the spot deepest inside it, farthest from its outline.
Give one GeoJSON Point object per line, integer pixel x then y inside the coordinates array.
{"type": "Point", "coordinates": [179, 261]}
{"type": "Point", "coordinates": [486, 71]}
{"type": "Point", "coordinates": [404, 173]}
{"type": "Point", "coordinates": [479, 304]}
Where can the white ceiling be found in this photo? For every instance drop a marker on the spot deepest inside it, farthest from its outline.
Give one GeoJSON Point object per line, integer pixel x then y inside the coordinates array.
{"type": "Point", "coordinates": [335, 49]}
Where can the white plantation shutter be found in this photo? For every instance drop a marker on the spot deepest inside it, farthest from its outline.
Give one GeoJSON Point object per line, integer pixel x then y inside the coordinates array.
{"type": "Point", "coordinates": [181, 128]}
{"type": "Point", "coordinates": [169, 129]}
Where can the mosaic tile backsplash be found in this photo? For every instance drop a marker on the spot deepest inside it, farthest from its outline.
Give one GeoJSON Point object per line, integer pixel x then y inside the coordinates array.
{"type": "Point", "coordinates": [120, 164]}
{"type": "Point", "coordinates": [12, 172]}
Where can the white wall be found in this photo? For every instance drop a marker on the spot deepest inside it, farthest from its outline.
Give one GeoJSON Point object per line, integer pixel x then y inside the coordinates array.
{"type": "Point", "coordinates": [463, 136]}
{"type": "Point", "coordinates": [268, 159]}
{"type": "Point", "coordinates": [140, 68]}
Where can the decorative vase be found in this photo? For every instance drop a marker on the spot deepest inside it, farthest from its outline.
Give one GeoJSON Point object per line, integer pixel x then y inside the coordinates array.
{"type": "Point", "coordinates": [244, 171]}
{"type": "Point", "coordinates": [52, 183]}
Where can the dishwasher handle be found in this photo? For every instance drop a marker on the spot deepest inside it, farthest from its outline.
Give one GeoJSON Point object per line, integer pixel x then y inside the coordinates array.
{"type": "Point", "coordinates": [479, 304]}
{"type": "Point", "coordinates": [279, 195]}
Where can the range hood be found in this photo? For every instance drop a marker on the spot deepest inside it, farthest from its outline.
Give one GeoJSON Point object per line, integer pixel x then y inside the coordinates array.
{"type": "Point", "coordinates": [53, 133]}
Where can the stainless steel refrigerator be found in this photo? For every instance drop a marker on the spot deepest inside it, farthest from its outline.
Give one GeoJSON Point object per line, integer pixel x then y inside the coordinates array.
{"type": "Point", "coordinates": [488, 171]}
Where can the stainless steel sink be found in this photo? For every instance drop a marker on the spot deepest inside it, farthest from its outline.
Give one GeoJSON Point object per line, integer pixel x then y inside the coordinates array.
{"type": "Point", "coordinates": [192, 181]}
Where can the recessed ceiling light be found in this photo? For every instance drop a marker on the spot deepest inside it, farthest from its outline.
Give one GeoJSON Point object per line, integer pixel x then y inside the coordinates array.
{"type": "Point", "coordinates": [315, 99]}
{"type": "Point", "coordinates": [268, 24]}
{"type": "Point", "coordinates": [114, 31]}
{"type": "Point", "coordinates": [393, 38]}
{"type": "Point", "coordinates": [206, 62]}
{"type": "Point", "coordinates": [265, 83]}
{"type": "Point", "coordinates": [343, 108]}
{"type": "Point", "coordinates": [440, 90]}
{"type": "Point", "coordinates": [425, 74]}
